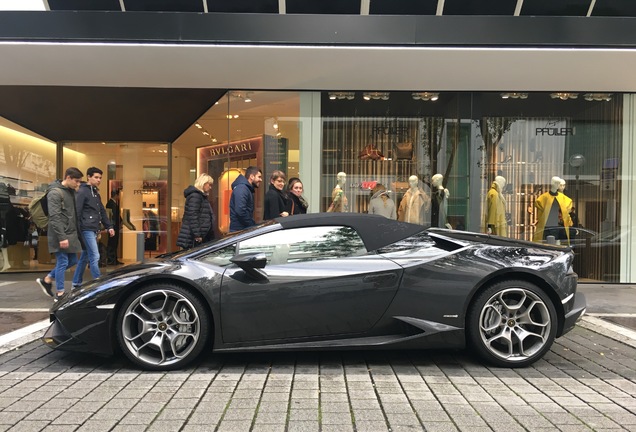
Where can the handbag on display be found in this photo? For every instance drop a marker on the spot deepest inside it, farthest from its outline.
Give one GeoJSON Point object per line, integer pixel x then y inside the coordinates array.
{"type": "Point", "coordinates": [404, 151]}
{"type": "Point", "coordinates": [370, 152]}
{"type": "Point", "coordinates": [400, 186]}
{"type": "Point", "coordinates": [368, 185]}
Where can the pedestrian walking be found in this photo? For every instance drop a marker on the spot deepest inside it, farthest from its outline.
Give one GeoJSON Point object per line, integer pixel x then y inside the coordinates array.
{"type": "Point", "coordinates": [277, 203]}
{"type": "Point", "coordinates": [198, 221]}
{"type": "Point", "coordinates": [297, 202]}
{"type": "Point", "coordinates": [92, 217]}
{"type": "Point", "coordinates": [63, 234]}
{"type": "Point", "coordinates": [242, 200]}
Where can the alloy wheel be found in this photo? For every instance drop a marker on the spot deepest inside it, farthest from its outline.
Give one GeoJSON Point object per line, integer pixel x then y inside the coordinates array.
{"type": "Point", "coordinates": [161, 327]}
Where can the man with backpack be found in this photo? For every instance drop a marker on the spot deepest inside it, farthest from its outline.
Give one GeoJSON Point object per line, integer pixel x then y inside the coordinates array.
{"type": "Point", "coordinates": [63, 233]}
{"type": "Point", "coordinates": [92, 216]}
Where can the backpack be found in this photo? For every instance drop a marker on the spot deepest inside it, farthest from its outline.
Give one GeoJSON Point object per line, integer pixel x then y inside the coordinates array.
{"type": "Point", "coordinates": [39, 210]}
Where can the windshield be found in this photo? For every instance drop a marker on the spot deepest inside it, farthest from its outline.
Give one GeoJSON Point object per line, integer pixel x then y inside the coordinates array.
{"type": "Point", "coordinates": [221, 242]}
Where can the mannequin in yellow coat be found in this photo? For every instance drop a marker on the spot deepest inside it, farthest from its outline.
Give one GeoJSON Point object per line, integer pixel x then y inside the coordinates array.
{"type": "Point", "coordinates": [496, 208]}
{"type": "Point", "coordinates": [548, 214]}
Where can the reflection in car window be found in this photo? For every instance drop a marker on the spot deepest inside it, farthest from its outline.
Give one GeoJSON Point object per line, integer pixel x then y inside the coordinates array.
{"type": "Point", "coordinates": [419, 245]}
{"type": "Point", "coordinates": [305, 244]}
{"type": "Point", "coordinates": [220, 257]}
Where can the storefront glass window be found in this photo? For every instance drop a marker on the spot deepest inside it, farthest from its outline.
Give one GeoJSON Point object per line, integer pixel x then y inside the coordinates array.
{"type": "Point", "coordinates": [136, 179]}
{"type": "Point", "coordinates": [27, 166]}
{"type": "Point", "coordinates": [539, 167]}
{"type": "Point", "coordinates": [241, 129]}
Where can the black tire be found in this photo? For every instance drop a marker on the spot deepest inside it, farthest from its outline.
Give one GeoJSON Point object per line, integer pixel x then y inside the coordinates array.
{"type": "Point", "coordinates": [511, 324]}
{"type": "Point", "coordinates": [162, 327]}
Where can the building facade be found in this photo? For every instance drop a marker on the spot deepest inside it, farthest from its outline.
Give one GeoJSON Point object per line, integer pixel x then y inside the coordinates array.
{"type": "Point", "coordinates": [392, 101]}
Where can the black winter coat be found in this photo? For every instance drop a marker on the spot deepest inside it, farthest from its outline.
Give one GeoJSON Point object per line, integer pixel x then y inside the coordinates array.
{"type": "Point", "coordinates": [198, 218]}
{"type": "Point", "coordinates": [276, 202]}
{"type": "Point", "coordinates": [299, 205]}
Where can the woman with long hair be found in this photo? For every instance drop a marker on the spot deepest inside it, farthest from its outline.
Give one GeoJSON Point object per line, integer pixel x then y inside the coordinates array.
{"type": "Point", "coordinates": [198, 219]}
{"type": "Point", "coordinates": [298, 204]}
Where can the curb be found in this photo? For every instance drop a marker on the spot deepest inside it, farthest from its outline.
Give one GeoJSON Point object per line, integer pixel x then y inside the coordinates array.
{"type": "Point", "coordinates": [613, 331]}
{"type": "Point", "coordinates": [23, 336]}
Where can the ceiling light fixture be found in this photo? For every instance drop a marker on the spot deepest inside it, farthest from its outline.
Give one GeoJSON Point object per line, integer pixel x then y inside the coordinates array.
{"type": "Point", "coordinates": [198, 126]}
{"type": "Point", "coordinates": [375, 95]}
{"type": "Point", "coordinates": [341, 95]}
{"type": "Point", "coordinates": [425, 96]}
{"type": "Point", "coordinates": [564, 95]}
{"type": "Point", "coordinates": [606, 97]}
{"type": "Point", "coordinates": [514, 95]}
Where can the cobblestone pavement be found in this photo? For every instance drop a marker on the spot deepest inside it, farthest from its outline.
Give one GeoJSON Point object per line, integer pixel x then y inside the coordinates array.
{"type": "Point", "coordinates": [586, 382]}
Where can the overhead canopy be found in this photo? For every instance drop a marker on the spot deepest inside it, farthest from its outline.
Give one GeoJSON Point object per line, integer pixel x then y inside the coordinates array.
{"type": "Point", "coordinates": [105, 114]}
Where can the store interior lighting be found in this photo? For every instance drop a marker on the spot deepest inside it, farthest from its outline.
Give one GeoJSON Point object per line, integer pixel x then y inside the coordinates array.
{"type": "Point", "coordinates": [244, 96]}
{"type": "Point", "coordinates": [606, 97]}
{"type": "Point", "coordinates": [205, 132]}
{"type": "Point", "coordinates": [376, 96]}
{"type": "Point", "coordinates": [514, 95]}
{"type": "Point", "coordinates": [425, 96]}
{"type": "Point", "coordinates": [341, 95]}
{"type": "Point", "coordinates": [564, 95]}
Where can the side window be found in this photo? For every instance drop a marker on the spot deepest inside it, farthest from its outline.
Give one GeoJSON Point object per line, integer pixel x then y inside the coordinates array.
{"type": "Point", "coordinates": [220, 257]}
{"type": "Point", "coordinates": [305, 244]}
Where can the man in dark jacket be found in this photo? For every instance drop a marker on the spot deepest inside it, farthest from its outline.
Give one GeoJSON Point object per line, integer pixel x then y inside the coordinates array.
{"type": "Point", "coordinates": [92, 216]}
{"type": "Point", "coordinates": [62, 230]}
{"type": "Point", "coordinates": [242, 200]}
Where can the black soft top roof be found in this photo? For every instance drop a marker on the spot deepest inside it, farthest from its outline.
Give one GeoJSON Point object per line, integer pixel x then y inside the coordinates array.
{"type": "Point", "coordinates": [376, 231]}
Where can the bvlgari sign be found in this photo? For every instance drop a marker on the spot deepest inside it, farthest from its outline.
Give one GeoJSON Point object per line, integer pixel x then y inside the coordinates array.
{"type": "Point", "coordinates": [232, 149]}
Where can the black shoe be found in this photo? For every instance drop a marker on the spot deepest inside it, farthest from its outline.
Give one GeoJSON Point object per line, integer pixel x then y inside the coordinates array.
{"type": "Point", "coordinates": [47, 287]}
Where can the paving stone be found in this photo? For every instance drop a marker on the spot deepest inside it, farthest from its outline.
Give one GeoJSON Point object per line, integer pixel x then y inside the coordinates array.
{"type": "Point", "coordinates": [331, 418]}
{"type": "Point", "coordinates": [30, 426]}
{"type": "Point", "coordinates": [371, 426]}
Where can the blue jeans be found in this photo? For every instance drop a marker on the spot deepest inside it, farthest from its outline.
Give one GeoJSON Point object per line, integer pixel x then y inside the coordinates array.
{"type": "Point", "coordinates": [90, 255]}
{"type": "Point", "coordinates": [63, 261]}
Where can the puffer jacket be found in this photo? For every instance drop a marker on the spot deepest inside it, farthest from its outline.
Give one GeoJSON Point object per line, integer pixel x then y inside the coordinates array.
{"type": "Point", "coordinates": [241, 204]}
{"type": "Point", "coordinates": [198, 218]}
{"type": "Point", "coordinates": [91, 211]}
{"type": "Point", "coordinates": [63, 223]}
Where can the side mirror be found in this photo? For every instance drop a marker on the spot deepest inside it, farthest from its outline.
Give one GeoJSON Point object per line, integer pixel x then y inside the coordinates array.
{"type": "Point", "coordinates": [252, 263]}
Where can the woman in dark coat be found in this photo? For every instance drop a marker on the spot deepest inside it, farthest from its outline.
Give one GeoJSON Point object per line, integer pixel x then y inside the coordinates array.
{"type": "Point", "coordinates": [198, 219]}
{"type": "Point", "coordinates": [298, 204]}
{"type": "Point", "coordinates": [277, 203]}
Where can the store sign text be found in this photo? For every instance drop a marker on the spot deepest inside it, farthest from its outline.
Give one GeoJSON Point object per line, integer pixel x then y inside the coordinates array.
{"type": "Point", "coordinates": [554, 131]}
{"type": "Point", "coordinates": [231, 149]}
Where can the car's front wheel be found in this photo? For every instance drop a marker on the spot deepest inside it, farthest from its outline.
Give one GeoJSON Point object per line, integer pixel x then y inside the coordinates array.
{"type": "Point", "coordinates": [162, 327]}
{"type": "Point", "coordinates": [512, 323]}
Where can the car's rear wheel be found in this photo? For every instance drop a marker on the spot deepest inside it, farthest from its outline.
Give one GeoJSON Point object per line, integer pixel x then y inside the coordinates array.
{"type": "Point", "coordinates": [162, 327]}
{"type": "Point", "coordinates": [512, 323]}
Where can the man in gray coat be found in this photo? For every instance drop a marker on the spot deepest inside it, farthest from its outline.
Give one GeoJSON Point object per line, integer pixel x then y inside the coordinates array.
{"type": "Point", "coordinates": [63, 231]}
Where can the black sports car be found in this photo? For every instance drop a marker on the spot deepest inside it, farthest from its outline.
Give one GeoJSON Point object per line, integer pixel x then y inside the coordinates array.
{"type": "Point", "coordinates": [329, 281]}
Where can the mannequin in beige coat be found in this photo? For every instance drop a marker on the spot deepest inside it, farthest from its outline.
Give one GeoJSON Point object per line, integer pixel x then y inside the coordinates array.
{"type": "Point", "coordinates": [415, 204]}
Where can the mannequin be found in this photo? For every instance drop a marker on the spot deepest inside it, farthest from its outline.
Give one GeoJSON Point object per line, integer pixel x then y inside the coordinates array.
{"type": "Point", "coordinates": [381, 203]}
{"type": "Point", "coordinates": [549, 215]}
{"type": "Point", "coordinates": [339, 201]}
{"type": "Point", "coordinates": [415, 204]}
{"type": "Point", "coordinates": [496, 208]}
{"type": "Point", "coordinates": [439, 201]}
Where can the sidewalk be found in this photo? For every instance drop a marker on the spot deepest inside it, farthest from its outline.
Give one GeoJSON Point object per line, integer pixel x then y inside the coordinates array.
{"type": "Point", "coordinates": [584, 383]}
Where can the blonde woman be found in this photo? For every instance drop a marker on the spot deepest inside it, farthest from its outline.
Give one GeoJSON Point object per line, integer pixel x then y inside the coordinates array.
{"type": "Point", "coordinates": [198, 219]}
